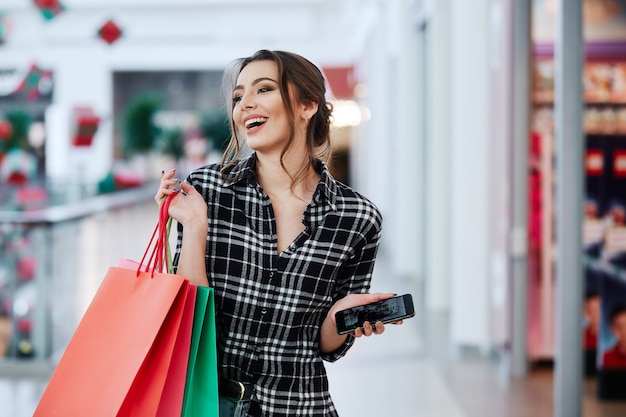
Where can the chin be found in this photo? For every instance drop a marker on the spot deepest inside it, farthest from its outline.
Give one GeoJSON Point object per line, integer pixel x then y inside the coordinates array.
{"type": "Point", "coordinates": [262, 146]}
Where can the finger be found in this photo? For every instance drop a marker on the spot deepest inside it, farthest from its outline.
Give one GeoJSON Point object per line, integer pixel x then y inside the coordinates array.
{"type": "Point", "coordinates": [187, 188]}
{"type": "Point", "coordinates": [367, 329]}
{"type": "Point", "coordinates": [165, 190]}
{"type": "Point", "coordinates": [168, 174]}
{"type": "Point", "coordinates": [358, 332]}
{"type": "Point", "coordinates": [379, 296]}
{"type": "Point", "coordinates": [385, 296]}
{"type": "Point", "coordinates": [167, 183]}
{"type": "Point", "coordinates": [379, 327]}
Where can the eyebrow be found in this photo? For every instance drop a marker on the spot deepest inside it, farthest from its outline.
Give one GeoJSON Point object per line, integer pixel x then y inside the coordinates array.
{"type": "Point", "coordinates": [255, 82]}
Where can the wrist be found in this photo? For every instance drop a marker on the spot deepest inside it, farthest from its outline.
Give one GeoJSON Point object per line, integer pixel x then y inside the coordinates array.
{"type": "Point", "coordinates": [196, 227]}
{"type": "Point", "coordinates": [329, 324]}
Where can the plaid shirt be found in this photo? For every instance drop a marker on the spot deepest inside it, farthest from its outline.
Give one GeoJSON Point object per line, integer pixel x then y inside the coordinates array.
{"type": "Point", "coordinates": [270, 306]}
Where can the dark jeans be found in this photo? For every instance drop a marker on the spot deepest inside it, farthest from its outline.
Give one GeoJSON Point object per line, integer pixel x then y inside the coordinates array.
{"type": "Point", "coordinates": [229, 408]}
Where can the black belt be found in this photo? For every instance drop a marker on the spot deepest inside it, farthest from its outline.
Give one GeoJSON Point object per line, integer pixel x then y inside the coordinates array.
{"type": "Point", "coordinates": [236, 391]}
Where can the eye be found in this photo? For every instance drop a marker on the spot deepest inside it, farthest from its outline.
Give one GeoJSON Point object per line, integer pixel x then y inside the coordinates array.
{"type": "Point", "coordinates": [265, 89]}
{"type": "Point", "coordinates": [236, 99]}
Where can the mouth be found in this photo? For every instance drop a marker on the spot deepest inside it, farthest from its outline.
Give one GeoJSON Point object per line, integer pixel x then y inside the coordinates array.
{"type": "Point", "coordinates": [255, 122]}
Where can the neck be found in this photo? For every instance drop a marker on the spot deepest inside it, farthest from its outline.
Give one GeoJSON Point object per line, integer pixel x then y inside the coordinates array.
{"type": "Point", "coordinates": [275, 178]}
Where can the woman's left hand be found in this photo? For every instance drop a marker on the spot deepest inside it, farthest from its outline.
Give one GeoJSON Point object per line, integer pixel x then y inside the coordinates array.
{"type": "Point", "coordinates": [354, 300]}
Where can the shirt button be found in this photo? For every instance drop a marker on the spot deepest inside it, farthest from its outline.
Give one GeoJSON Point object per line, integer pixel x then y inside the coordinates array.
{"type": "Point", "coordinates": [271, 274]}
{"type": "Point", "coordinates": [264, 311]}
{"type": "Point", "coordinates": [292, 247]}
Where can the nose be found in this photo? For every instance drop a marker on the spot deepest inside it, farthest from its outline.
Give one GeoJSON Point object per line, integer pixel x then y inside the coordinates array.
{"type": "Point", "coordinates": [246, 102]}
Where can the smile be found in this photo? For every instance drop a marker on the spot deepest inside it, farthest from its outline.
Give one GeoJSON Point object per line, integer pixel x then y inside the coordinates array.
{"type": "Point", "coordinates": [255, 122]}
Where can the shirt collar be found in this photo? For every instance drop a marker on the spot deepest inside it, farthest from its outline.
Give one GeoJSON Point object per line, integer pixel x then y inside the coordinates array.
{"type": "Point", "coordinates": [327, 187]}
{"type": "Point", "coordinates": [244, 171]}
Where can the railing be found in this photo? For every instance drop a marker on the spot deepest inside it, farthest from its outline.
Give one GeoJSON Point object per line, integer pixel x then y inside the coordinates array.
{"type": "Point", "coordinates": [51, 262]}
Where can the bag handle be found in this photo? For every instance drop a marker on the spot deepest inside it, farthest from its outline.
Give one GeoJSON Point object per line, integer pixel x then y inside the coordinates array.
{"type": "Point", "coordinates": [160, 255]}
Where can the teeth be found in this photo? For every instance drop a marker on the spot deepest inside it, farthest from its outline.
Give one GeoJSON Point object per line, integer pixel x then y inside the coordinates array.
{"type": "Point", "coordinates": [256, 121]}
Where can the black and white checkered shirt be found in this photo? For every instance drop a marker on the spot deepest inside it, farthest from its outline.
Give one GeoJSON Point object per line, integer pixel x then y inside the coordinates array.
{"type": "Point", "coordinates": [270, 306]}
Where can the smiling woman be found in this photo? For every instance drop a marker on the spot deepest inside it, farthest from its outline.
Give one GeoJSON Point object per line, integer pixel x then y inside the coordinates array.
{"type": "Point", "coordinates": [295, 90]}
{"type": "Point", "coordinates": [285, 245]}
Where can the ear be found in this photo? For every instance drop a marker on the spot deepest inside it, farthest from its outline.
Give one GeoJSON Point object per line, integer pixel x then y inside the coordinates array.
{"type": "Point", "coordinates": [308, 109]}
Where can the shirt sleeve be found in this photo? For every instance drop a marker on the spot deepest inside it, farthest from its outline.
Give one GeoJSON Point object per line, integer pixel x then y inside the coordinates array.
{"type": "Point", "coordinates": [356, 277]}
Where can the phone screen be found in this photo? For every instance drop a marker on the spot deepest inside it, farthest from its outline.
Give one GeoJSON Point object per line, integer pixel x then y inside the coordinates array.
{"type": "Point", "coordinates": [386, 311]}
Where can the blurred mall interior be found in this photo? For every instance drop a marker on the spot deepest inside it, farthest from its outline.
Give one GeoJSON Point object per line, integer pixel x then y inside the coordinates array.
{"type": "Point", "coordinates": [451, 116]}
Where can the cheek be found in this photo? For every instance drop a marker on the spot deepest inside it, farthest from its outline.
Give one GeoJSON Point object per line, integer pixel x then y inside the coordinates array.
{"type": "Point", "coordinates": [237, 118]}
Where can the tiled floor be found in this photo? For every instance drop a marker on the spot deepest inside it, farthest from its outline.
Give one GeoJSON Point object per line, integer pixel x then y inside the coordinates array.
{"type": "Point", "coordinates": [408, 371]}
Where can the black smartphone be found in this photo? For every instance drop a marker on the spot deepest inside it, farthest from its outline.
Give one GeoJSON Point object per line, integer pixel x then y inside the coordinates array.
{"type": "Point", "coordinates": [386, 311]}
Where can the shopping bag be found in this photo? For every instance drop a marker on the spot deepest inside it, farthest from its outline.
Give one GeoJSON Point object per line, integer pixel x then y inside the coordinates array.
{"type": "Point", "coordinates": [117, 360]}
{"type": "Point", "coordinates": [172, 397]}
{"type": "Point", "coordinates": [123, 359]}
{"type": "Point", "coordinates": [201, 389]}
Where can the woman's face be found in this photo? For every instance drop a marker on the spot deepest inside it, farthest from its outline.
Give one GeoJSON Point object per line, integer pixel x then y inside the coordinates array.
{"type": "Point", "coordinates": [259, 112]}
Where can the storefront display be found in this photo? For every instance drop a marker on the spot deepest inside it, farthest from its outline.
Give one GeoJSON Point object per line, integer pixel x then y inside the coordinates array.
{"type": "Point", "coordinates": [604, 223]}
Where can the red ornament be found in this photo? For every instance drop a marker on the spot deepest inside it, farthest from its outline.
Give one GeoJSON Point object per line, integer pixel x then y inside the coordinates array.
{"type": "Point", "coordinates": [26, 268]}
{"type": "Point", "coordinates": [85, 126]}
{"type": "Point", "coordinates": [6, 130]}
{"type": "Point", "coordinates": [24, 325]}
{"type": "Point", "coordinates": [110, 32]}
{"type": "Point", "coordinates": [49, 8]}
{"type": "Point", "coordinates": [48, 4]}
{"type": "Point", "coordinates": [17, 178]}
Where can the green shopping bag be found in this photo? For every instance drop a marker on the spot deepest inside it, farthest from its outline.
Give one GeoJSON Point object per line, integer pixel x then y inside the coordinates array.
{"type": "Point", "coordinates": [201, 389]}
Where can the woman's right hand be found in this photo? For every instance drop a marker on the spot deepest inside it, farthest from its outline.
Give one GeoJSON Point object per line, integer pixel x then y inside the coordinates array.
{"type": "Point", "coordinates": [188, 207]}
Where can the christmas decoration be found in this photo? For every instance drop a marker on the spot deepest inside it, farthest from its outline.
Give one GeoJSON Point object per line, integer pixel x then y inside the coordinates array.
{"type": "Point", "coordinates": [6, 130]}
{"type": "Point", "coordinates": [18, 125]}
{"type": "Point", "coordinates": [110, 32]}
{"type": "Point", "coordinates": [85, 126]}
{"type": "Point", "coordinates": [31, 82]}
{"type": "Point", "coordinates": [17, 167]}
{"type": "Point", "coordinates": [49, 8]}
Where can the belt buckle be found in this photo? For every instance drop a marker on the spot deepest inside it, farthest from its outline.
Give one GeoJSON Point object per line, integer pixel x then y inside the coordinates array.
{"type": "Point", "coordinates": [242, 391]}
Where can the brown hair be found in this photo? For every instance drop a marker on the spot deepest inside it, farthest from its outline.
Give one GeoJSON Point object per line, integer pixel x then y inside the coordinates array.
{"type": "Point", "coordinates": [308, 85]}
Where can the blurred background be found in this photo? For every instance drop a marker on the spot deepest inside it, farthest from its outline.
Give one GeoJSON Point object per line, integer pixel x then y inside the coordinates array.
{"type": "Point", "coordinates": [444, 117]}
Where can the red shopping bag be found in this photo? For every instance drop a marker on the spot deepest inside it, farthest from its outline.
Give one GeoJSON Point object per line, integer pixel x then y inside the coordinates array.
{"type": "Point", "coordinates": [171, 402]}
{"type": "Point", "coordinates": [128, 353]}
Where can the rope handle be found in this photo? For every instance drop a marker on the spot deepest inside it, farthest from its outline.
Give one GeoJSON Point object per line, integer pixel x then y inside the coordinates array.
{"type": "Point", "coordinates": [160, 255]}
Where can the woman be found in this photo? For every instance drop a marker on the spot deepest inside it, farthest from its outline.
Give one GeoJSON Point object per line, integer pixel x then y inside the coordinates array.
{"type": "Point", "coordinates": [285, 245]}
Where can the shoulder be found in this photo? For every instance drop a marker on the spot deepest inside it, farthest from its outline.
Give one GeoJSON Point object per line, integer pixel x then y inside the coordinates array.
{"type": "Point", "coordinates": [206, 176]}
{"type": "Point", "coordinates": [347, 203]}
{"type": "Point", "coordinates": [348, 198]}
{"type": "Point", "coordinates": [213, 175]}
{"type": "Point", "coordinates": [351, 204]}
